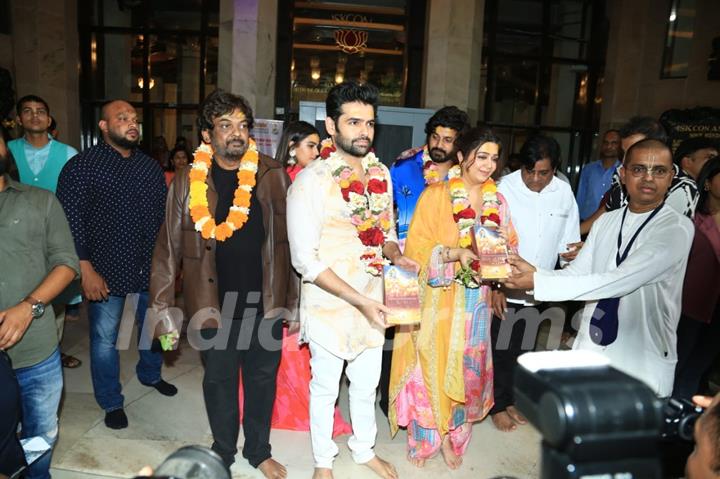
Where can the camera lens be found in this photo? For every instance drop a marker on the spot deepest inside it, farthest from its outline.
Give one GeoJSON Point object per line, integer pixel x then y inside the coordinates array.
{"type": "Point", "coordinates": [193, 462]}
{"type": "Point", "coordinates": [686, 427]}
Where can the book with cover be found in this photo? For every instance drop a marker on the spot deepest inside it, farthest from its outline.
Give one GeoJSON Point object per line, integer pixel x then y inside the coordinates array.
{"type": "Point", "coordinates": [492, 251]}
{"type": "Point", "coordinates": [402, 295]}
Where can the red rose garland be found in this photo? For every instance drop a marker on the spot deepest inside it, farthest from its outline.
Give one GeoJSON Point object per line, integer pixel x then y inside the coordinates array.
{"type": "Point", "coordinates": [370, 208]}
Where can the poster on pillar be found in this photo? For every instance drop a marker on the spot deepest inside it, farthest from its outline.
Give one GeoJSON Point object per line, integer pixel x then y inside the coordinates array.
{"type": "Point", "coordinates": [267, 135]}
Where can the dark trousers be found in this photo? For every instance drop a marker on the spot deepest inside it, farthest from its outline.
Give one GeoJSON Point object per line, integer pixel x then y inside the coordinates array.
{"type": "Point", "coordinates": [505, 360]}
{"type": "Point", "coordinates": [697, 348]}
{"type": "Point", "coordinates": [12, 457]}
{"type": "Point", "coordinates": [258, 355]}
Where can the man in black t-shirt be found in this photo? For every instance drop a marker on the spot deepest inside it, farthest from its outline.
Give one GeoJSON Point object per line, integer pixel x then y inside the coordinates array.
{"type": "Point", "coordinates": [225, 226]}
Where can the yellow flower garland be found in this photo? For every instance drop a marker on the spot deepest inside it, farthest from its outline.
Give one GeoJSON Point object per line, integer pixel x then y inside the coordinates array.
{"type": "Point", "coordinates": [198, 202]}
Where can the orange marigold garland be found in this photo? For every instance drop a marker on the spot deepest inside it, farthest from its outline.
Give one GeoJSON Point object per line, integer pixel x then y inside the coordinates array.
{"type": "Point", "coordinates": [198, 202]}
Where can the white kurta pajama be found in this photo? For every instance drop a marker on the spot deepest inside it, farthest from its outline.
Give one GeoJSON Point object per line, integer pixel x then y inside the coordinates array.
{"type": "Point", "coordinates": [322, 236]}
{"type": "Point", "coordinates": [649, 283]}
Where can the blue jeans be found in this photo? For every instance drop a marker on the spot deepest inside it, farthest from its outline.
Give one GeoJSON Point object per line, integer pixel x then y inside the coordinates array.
{"type": "Point", "coordinates": [40, 390]}
{"type": "Point", "coordinates": [105, 319]}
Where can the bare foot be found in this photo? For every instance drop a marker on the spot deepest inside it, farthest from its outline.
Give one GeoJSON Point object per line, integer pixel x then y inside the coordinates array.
{"type": "Point", "coordinates": [416, 461]}
{"type": "Point", "coordinates": [322, 473]}
{"type": "Point", "coordinates": [452, 460]}
{"type": "Point", "coordinates": [272, 469]}
{"type": "Point", "coordinates": [515, 415]}
{"type": "Point", "coordinates": [503, 421]}
{"type": "Point", "coordinates": [382, 468]}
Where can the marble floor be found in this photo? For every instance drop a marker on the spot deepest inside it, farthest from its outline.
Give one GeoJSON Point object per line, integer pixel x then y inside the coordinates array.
{"type": "Point", "coordinates": [159, 425]}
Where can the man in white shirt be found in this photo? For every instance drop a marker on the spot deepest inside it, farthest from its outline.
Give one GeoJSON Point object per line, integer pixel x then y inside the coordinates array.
{"type": "Point", "coordinates": [629, 272]}
{"type": "Point", "coordinates": [340, 257]}
{"type": "Point", "coordinates": [545, 215]}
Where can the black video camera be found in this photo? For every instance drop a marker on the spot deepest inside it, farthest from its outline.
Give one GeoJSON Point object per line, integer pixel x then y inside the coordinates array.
{"type": "Point", "coordinates": [191, 462]}
{"type": "Point", "coordinates": [680, 416]}
{"type": "Point", "coordinates": [595, 420]}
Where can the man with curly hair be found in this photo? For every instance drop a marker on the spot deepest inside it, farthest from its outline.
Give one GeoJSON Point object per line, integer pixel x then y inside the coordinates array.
{"type": "Point", "coordinates": [237, 283]}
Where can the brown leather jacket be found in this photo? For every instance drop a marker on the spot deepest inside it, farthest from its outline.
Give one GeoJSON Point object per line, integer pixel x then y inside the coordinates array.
{"type": "Point", "coordinates": [180, 246]}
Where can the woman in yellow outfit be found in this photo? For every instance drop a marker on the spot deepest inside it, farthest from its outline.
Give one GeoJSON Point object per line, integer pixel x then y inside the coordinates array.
{"type": "Point", "coordinates": [442, 376]}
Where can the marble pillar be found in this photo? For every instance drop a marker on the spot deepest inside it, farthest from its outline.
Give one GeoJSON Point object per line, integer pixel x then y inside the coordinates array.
{"type": "Point", "coordinates": [247, 51]}
{"type": "Point", "coordinates": [454, 55]}
{"type": "Point", "coordinates": [45, 56]}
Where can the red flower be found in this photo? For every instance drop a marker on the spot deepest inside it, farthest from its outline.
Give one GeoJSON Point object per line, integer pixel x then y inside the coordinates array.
{"type": "Point", "coordinates": [475, 265]}
{"type": "Point", "coordinates": [326, 152]}
{"type": "Point", "coordinates": [376, 186]}
{"type": "Point", "coordinates": [372, 237]}
{"type": "Point", "coordinates": [378, 266]}
{"type": "Point", "coordinates": [354, 187]}
{"type": "Point", "coordinates": [467, 213]}
{"type": "Point", "coordinates": [495, 218]}
{"type": "Point", "coordinates": [357, 187]}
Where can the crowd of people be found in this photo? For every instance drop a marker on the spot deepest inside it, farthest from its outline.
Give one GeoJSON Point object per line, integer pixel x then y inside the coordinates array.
{"type": "Point", "coordinates": [282, 266]}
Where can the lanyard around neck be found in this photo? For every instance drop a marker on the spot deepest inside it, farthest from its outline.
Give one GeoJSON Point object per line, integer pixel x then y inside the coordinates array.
{"type": "Point", "coordinates": [620, 258]}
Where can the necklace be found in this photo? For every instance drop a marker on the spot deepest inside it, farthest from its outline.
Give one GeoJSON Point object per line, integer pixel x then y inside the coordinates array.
{"type": "Point", "coordinates": [198, 201]}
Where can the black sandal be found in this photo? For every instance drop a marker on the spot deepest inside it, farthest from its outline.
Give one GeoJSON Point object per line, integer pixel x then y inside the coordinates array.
{"type": "Point", "coordinates": [70, 362]}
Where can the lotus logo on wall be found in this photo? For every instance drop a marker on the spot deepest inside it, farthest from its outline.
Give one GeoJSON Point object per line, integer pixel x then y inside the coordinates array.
{"type": "Point", "coordinates": [351, 41]}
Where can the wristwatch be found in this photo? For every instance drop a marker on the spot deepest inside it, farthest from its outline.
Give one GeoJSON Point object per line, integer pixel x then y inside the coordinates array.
{"type": "Point", "coordinates": [37, 306]}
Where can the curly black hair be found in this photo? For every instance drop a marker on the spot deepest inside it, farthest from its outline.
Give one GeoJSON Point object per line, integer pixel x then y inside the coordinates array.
{"type": "Point", "coordinates": [448, 117]}
{"type": "Point", "coordinates": [349, 92]}
{"type": "Point", "coordinates": [221, 102]}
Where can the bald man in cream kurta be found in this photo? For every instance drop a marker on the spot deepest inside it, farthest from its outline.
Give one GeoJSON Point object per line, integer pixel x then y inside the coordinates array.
{"type": "Point", "coordinates": [322, 237]}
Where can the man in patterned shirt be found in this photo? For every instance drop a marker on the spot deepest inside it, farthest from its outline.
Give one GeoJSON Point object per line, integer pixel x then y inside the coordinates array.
{"type": "Point", "coordinates": [636, 129]}
{"type": "Point", "coordinates": [114, 196]}
{"type": "Point", "coordinates": [689, 158]}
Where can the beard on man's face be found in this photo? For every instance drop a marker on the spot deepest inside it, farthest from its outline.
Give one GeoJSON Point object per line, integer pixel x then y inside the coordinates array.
{"type": "Point", "coordinates": [231, 150]}
{"type": "Point", "coordinates": [439, 155]}
{"type": "Point", "coordinates": [355, 146]}
{"type": "Point", "coordinates": [122, 141]}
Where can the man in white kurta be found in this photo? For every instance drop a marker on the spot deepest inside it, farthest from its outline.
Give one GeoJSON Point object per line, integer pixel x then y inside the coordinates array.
{"type": "Point", "coordinates": [545, 216]}
{"type": "Point", "coordinates": [341, 310]}
{"type": "Point", "coordinates": [648, 282]}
